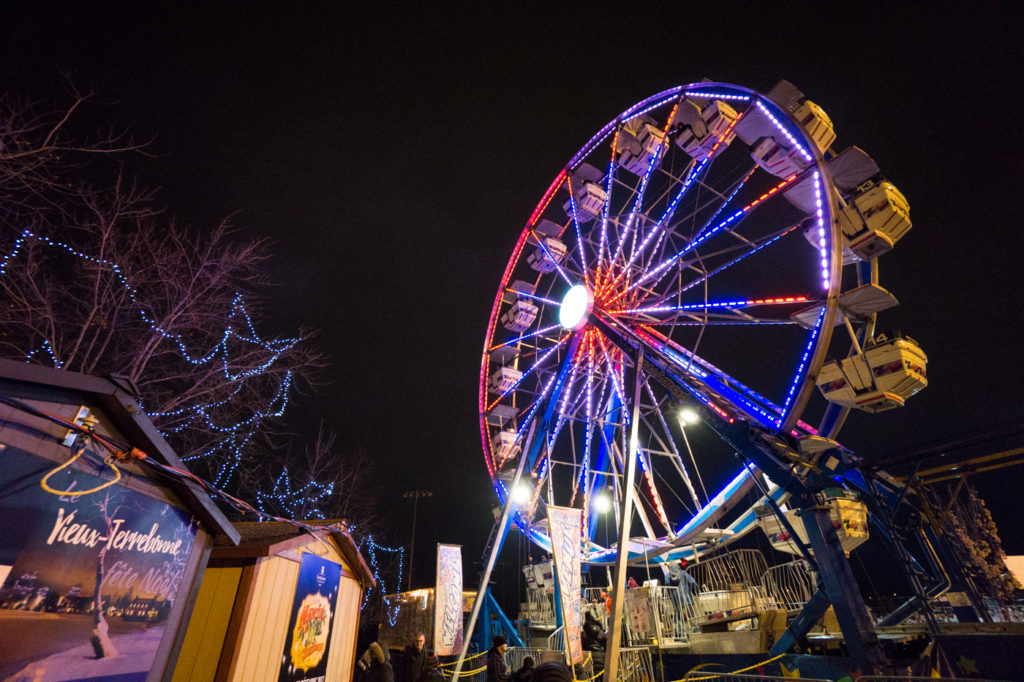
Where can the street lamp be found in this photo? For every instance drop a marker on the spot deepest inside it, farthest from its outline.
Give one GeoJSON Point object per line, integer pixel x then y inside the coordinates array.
{"type": "Point", "coordinates": [415, 495]}
{"type": "Point", "coordinates": [602, 502]}
{"type": "Point", "coordinates": [688, 416]}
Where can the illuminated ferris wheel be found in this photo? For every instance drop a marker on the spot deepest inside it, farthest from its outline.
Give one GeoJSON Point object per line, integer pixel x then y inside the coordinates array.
{"type": "Point", "coordinates": [695, 255]}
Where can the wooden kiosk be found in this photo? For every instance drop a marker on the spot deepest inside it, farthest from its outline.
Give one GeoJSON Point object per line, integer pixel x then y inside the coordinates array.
{"type": "Point", "coordinates": [248, 618]}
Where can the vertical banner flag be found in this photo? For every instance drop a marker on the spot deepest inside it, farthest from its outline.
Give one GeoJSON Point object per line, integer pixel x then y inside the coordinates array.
{"type": "Point", "coordinates": [565, 527]}
{"type": "Point", "coordinates": [308, 638]}
{"type": "Point", "coordinates": [448, 601]}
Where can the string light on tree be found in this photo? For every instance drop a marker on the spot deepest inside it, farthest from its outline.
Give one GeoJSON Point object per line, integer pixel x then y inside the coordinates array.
{"type": "Point", "coordinates": [371, 549]}
{"type": "Point", "coordinates": [303, 501]}
{"type": "Point", "coordinates": [238, 339]}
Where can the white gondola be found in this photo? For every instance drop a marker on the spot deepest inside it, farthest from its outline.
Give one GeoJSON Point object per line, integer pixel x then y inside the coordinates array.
{"type": "Point", "coordinates": [880, 378]}
{"type": "Point", "coordinates": [590, 198]}
{"type": "Point", "coordinates": [777, 159]}
{"type": "Point", "coordinates": [504, 445]}
{"type": "Point", "coordinates": [849, 517]}
{"type": "Point", "coordinates": [638, 143]}
{"type": "Point", "coordinates": [548, 257]}
{"type": "Point", "coordinates": [875, 219]}
{"type": "Point", "coordinates": [505, 379]}
{"type": "Point", "coordinates": [520, 316]}
{"type": "Point", "coordinates": [699, 137]}
{"type": "Point", "coordinates": [586, 182]}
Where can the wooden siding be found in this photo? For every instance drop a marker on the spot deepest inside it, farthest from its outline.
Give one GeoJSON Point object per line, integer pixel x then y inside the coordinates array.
{"type": "Point", "coordinates": [261, 645]}
{"type": "Point", "coordinates": [201, 649]}
{"type": "Point", "coordinates": [263, 625]}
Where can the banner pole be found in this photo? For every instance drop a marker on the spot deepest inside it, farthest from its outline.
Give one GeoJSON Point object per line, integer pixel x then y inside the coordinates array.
{"type": "Point", "coordinates": [611, 664]}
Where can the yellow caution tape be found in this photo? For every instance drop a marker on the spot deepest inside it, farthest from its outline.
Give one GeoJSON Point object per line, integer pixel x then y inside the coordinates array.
{"type": "Point", "coordinates": [734, 672]}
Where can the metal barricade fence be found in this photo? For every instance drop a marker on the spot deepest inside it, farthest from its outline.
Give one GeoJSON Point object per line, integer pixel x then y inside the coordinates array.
{"type": "Point", "coordinates": [738, 567]}
{"type": "Point", "coordinates": [557, 639]}
{"type": "Point", "coordinates": [636, 665]}
{"type": "Point", "coordinates": [789, 585]}
{"type": "Point", "coordinates": [655, 614]}
{"type": "Point", "coordinates": [710, 676]}
{"type": "Point", "coordinates": [897, 678]}
{"type": "Point", "coordinates": [540, 606]}
{"type": "Point", "coordinates": [515, 656]}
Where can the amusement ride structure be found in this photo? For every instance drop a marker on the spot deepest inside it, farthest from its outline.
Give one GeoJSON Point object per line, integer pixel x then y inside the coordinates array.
{"type": "Point", "coordinates": [710, 252]}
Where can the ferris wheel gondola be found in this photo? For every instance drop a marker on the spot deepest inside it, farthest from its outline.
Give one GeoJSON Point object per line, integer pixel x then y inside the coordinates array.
{"type": "Point", "coordinates": [712, 231]}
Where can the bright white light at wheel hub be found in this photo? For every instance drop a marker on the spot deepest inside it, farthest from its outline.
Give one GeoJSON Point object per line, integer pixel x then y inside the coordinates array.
{"type": "Point", "coordinates": [576, 307]}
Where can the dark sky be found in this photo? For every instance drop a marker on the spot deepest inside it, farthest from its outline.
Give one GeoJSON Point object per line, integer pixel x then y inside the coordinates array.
{"type": "Point", "coordinates": [394, 152]}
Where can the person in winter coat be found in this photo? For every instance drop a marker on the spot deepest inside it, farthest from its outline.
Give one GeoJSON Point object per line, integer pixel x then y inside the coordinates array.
{"type": "Point", "coordinates": [380, 669]}
{"type": "Point", "coordinates": [430, 670]}
{"type": "Point", "coordinates": [525, 673]}
{"type": "Point", "coordinates": [497, 671]}
{"type": "Point", "coordinates": [414, 659]}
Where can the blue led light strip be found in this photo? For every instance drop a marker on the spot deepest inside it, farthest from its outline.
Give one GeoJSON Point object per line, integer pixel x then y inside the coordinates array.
{"type": "Point", "coordinates": [800, 368]}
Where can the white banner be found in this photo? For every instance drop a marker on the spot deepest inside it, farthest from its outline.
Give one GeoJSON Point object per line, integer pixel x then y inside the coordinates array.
{"type": "Point", "coordinates": [565, 529]}
{"type": "Point", "coordinates": [448, 601]}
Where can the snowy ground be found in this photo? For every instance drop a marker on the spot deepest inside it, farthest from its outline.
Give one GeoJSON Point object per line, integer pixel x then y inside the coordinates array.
{"type": "Point", "coordinates": [136, 649]}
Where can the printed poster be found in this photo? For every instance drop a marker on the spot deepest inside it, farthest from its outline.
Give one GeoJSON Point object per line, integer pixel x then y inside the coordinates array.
{"type": "Point", "coordinates": [448, 601]}
{"type": "Point", "coordinates": [566, 528]}
{"type": "Point", "coordinates": [308, 640]}
{"type": "Point", "coordinates": [86, 582]}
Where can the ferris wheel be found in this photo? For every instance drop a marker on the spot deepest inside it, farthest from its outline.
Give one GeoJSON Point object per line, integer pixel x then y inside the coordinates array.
{"type": "Point", "coordinates": [696, 255]}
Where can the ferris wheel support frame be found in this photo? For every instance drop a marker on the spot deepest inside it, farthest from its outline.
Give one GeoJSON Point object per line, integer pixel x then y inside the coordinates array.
{"type": "Point", "coordinates": [768, 452]}
{"type": "Point", "coordinates": [626, 520]}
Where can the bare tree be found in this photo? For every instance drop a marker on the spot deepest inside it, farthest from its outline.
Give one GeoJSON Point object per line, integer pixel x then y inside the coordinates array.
{"type": "Point", "coordinates": [322, 483]}
{"type": "Point", "coordinates": [98, 278]}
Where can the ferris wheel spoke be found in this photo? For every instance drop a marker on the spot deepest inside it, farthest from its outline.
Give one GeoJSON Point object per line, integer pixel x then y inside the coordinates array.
{"type": "Point", "coordinates": [616, 379]}
{"type": "Point", "coordinates": [732, 304]}
{"type": "Point", "coordinates": [659, 506]}
{"type": "Point", "coordinates": [695, 170]}
{"type": "Point", "coordinates": [655, 162]}
{"type": "Point", "coordinates": [754, 247]}
{"type": "Point", "coordinates": [524, 337]}
{"type": "Point", "coordinates": [603, 239]}
{"type": "Point", "coordinates": [660, 270]}
{"type": "Point", "coordinates": [536, 365]}
{"type": "Point", "coordinates": [670, 444]}
{"type": "Point", "coordinates": [745, 247]}
{"type": "Point", "coordinates": [718, 382]}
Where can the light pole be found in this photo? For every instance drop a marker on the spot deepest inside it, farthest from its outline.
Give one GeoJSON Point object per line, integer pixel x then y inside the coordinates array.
{"type": "Point", "coordinates": [415, 495]}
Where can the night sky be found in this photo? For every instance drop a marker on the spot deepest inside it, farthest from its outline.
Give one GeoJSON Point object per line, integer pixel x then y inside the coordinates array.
{"type": "Point", "coordinates": [394, 152]}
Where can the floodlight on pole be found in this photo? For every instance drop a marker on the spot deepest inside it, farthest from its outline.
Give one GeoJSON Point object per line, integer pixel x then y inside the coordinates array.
{"type": "Point", "coordinates": [602, 502]}
{"type": "Point", "coordinates": [688, 416]}
{"type": "Point", "coordinates": [415, 496]}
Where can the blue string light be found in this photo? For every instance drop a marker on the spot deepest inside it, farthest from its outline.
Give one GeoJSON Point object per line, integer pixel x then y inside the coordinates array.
{"type": "Point", "coordinates": [304, 500]}
{"type": "Point", "coordinates": [373, 548]}
{"type": "Point", "coordinates": [238, 328]}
